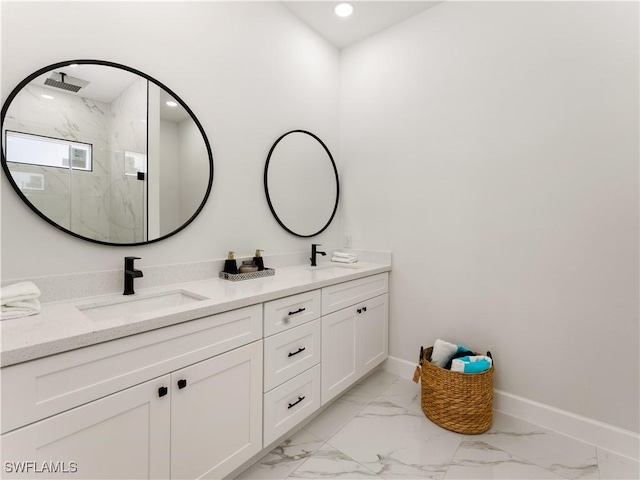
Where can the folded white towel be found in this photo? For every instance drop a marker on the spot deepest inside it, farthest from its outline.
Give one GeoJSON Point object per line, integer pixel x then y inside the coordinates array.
{"type": "Point", "coordinates": [344, 260]}
{"type": "Point", "coordinates": [18, 292]}
{"type": "Point", "coordinates": [20, 308]}
{"type": "Point", "coordinates": [345, 255]}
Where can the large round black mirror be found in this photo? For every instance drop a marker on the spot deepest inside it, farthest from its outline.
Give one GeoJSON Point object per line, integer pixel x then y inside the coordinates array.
{"type": "Point", "coordinates": [301, 183]}
{"type": "Point", "coordinates": [105, 152]}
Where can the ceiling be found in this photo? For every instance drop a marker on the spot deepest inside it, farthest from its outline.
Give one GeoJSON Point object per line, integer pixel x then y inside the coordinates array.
{"type": "Point", "coordinates": [106, 83]}
{"type": "Point", "coordinates": [368, 18]}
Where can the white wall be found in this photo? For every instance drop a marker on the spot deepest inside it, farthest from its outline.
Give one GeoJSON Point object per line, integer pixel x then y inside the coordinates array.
{"type": "Point", "coordinates": [493, 147]}
{"type": "Point", "coordinates": [250, 72]}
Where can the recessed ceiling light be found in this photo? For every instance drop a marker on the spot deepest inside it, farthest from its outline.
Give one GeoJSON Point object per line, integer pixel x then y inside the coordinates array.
{"type": "Point", "coordinates": [343, 9]}
{"type": "Point", "coordinates": [74, 65]}
{"type": "Point", "coordinates": [171, 104]}
{"type": "Point", "coordinates": [46, 97]}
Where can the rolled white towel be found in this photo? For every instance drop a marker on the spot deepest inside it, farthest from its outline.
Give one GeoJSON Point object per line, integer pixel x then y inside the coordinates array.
{"type": "Point", "coordinates": [20, 308]}
{"type": "Point", "coordinates": [343, 260]}
{"type": "Point", "coordinates": [471, 364]}
{"type": "Point", "coordinates": [18, 292]}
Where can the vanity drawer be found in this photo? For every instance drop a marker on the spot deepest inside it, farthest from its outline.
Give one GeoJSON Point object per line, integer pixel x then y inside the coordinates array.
{"type": "Point", "coordinates": [290, 403]}
{"type": "Point", "coordinates": [342, 295]}
{"type": "Point", "coordinates": [288, 312]}
{"type": "Point", "coordinates": [40, 388]}
{"type": "Point", "coordinates": [290, 353]}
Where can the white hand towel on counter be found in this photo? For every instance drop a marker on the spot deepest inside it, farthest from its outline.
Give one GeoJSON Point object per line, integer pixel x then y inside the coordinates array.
{"type": "Point", "coordinates": [342, 257]}
{"type": "Point", "coordinates": [18, 291]}
{"type": "Point", "coordinates": [21, 308]}
{"type": "Point", "coordinates": [19, 300]}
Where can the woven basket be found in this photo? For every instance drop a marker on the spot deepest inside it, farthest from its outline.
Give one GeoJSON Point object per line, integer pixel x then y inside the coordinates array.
{"type": "Point", "coordinates": [460, 402]}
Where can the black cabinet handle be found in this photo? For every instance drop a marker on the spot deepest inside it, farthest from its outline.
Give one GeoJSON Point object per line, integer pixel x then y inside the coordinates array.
{"type": "Point", "coordinates": [301, 349]}
{"type": "Point", "coordinates": [359, 310]}
{"type": "Point", "coordinates": [364, 309]}
{"type": "Point", "coordinates": [162, 391]}
{"type": "Point", "coordinates": [182, 383]}
{"type": "Point", "coordinates": [302, 309]}
{"type": "Point", "coordinates": [291, 405]}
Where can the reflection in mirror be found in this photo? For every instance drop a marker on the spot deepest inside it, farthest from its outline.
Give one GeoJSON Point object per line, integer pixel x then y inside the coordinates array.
{"type": "Point", "coordinates": [105, 152]}
{"type": "Point", "coordinates": [301, 183]}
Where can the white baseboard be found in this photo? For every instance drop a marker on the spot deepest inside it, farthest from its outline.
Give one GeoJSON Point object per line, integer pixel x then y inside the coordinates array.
{"type": "Point", "coordinates": [609, 437]}
{"type": "Point", "coordinates": [400, 367]}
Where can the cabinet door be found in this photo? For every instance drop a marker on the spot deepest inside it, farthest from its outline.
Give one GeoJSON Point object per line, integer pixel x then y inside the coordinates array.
{"type": "Point", "coordinates": [372, 327]}
{"type": "Point", "coordinates": [124, 435]}
{"type": "Point", "coordinates": [216, 416]}
{"type": "Point", "coordinates": [339, 364]}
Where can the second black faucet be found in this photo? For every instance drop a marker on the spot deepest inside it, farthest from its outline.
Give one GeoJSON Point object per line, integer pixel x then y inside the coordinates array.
{"type": "Point", "coordinates": [129, 274]}
{"type": "Point", "coordinates": [314, 252]}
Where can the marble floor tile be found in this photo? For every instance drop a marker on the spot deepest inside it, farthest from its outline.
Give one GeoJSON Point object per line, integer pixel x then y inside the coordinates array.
{"type": "Point", "coordinates": [404, 393]}
{"type": "Point", "coordinates": [562, 455]}
{"type": "Point", "coordinates": [377, 430]}
{"type": "Point", "coordinates": [616, 467]}
{"type": "Point", "coordinates": [328, 462]}
{"type": "Point", "coordinates": [339, 413]}
{"type": "Point", "coordinates": [397, 443]}
{"type": "Point", "coordinates": [284, 459]}
{"type": "Point", "coordinates": [377, 382]}
{"type": "Point", "coordinates": [476, 459]}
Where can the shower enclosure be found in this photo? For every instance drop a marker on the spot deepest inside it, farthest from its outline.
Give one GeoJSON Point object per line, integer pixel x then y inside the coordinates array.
{"type": "Point", "coordinates": [108, 160]}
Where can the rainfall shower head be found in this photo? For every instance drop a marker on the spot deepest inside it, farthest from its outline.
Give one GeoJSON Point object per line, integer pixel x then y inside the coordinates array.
{"type": "Point", "coordinates": [65, 82]}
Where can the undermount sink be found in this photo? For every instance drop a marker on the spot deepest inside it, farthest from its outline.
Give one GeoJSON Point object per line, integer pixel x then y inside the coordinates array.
{"type": "Point", "coordinates": [142, 304]}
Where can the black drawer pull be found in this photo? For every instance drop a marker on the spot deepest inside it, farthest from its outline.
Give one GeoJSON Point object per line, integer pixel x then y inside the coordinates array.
{"type": "Point", "coordinates": [291, 405]}
{"type": "Point", "coordinates": [359, 310]}
{"type": "Point", "coordinates": [162, 391]}
{"type": "Point", "coordinates": [301, 349]}
{"type": "Point", "coordinates": [182, 383]}
{"type": "Point", "coordinates": [364, 309]}
{"type": "Point", "coordinates": [301, 309]}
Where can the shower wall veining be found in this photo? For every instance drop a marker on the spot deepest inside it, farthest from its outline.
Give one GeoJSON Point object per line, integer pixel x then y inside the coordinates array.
{"type": "Point", "coordinates": [127, 133]}
{"type": "Point", "coordinates": [102, 204]}
{"type": "Point", "coordinates": [75, 199]}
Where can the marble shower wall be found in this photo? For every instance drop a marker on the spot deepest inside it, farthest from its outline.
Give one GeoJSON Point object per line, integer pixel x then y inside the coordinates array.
{"type": "Point", "coordinates": [76, 200]}
{"type": "Point", "coordinates": [102, 204]}
{"type": "Point", "coordinates": [127, 132]}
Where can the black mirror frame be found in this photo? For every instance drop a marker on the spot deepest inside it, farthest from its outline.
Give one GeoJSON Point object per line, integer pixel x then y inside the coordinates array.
{"type": "Point", "coordinates": [46, 69]}
{"type": "Point", "coordinates": [266, 186]}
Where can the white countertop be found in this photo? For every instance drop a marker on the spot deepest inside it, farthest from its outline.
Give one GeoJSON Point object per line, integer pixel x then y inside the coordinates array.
{"type": "Point", "coordinates": [61, 326]}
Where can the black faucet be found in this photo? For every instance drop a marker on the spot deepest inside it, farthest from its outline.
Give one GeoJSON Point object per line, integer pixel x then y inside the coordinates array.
{"type": "Point", "coordinates": [129, 274]}
{"type": "Point", "coordinates": [314, 252]}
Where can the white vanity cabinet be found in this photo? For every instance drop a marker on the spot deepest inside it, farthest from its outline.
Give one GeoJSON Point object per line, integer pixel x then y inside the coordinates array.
{"type": "Point", "coordinates": [354, 331]}
{"type": "Point", "coordinates": [124, 435]}
{"type": "Point", "coordinates": [199, 421]}
{"type": "Point", "coordinates": [197, 399]}
{"type": "Point", "coordinates": [291, 362]}
{"type": "Point", "coordinates": [216, 414]}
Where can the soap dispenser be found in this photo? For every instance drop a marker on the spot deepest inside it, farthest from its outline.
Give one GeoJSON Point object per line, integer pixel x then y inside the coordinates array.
{"type": "Point", "coordinates": [258, 261]}
{"type": "Point", "coordinates": [230, 265]}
